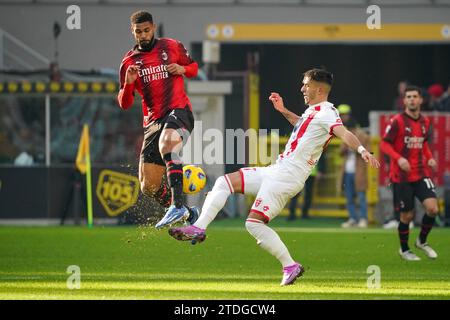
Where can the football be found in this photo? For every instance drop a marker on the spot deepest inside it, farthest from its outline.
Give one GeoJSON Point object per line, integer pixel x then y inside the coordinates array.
{"type": "Point", "coordinates": [194, 179]}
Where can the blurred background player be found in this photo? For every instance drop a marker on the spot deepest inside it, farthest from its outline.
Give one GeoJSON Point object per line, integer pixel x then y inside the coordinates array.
{"type": "Point", "coordinates": [155, 68]}
{"type": "Point", "coordinates": [444, 104]}
{"type": "Point", "coordinates": [276, 184]}
{"type": "Point", "coordinates": [436, 92]}
{"type": "Point", "coordinates": [406, 143]}
{"type": "Point", "coordinates": [354, 172]}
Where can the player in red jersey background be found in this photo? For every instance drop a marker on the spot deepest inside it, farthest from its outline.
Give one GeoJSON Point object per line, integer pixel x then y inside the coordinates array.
{"type": "Point", "coordinates": [155, 68]}
{"type": "Point", "coordinates": [406, 143]}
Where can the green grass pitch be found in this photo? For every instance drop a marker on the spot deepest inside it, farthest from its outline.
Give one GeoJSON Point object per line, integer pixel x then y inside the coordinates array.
{"type": "Point", "coordinates": [144, 263]}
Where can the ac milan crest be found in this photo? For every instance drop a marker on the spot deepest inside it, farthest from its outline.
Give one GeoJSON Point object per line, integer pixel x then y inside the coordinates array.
{"type": "Point", "coordinates": [164, 55]}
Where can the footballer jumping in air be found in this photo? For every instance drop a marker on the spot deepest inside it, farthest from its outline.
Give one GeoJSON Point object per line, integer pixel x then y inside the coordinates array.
{"type": "Point", "coordinates": [406, 143]}
{"type": "Point", "coordinates": [276, 184]}
{"type": "Point", "coordinates": [155, 68]}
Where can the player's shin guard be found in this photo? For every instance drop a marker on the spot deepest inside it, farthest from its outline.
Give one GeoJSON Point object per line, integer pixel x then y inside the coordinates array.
{"type": "Point", "coordinates": [269, 241]}
{"type": "Point", "coordinates": [164, 195]}
{"type": "Point", "coordinates": [175, 177]}
{"type": "Point", "coordinates": [214, 202]}
{"type": "Point", "coordinates": [427, 224]}
{"type": "Point", "coordinates": [403, 233]}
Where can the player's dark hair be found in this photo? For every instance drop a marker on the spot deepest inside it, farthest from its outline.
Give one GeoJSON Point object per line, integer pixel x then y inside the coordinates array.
{"type": "Point", "coordinates": [140, 17]}
{"type": "Point", "coordinates": [320, 75]}
{"type": "Point", "coordinates": [413, 88]}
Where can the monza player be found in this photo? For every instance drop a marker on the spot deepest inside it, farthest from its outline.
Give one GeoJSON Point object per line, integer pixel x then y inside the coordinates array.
{"type": "Point", "coordinates": [155, 68]}
{"type": "Point", "coordinates": [406, 143]}
{"type": "Point", "coordinates": [276, 184]}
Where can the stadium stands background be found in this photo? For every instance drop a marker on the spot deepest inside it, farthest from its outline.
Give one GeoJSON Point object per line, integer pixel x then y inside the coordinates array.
{"type": "Point", "coordinates": [366, 73]}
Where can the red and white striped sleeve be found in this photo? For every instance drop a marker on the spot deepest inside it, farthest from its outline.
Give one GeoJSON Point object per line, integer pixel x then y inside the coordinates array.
{"type": "Point", "coordinates": [329, 120]}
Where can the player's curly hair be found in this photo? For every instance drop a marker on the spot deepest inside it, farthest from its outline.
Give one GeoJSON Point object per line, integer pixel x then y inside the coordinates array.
{"type": "Point", "coordinates": [140, 17]}
{"type": "Point", "coordinates": [320, 75]}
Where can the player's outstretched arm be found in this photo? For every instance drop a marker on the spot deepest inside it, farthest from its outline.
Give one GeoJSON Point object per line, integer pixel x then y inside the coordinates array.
{"type": "Point", "coordinates": [278, 104]}
{"type": "Point", "coordinates": [353, 142]}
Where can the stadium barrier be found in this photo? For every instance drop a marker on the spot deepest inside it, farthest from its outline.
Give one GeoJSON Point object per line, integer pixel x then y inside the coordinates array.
{"type": "Point", "coordinates": [57, 195]}
{"type": "Point", "coordinates": [42, 87]}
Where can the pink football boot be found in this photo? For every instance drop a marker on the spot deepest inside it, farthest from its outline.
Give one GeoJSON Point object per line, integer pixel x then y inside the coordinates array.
{"type": "Point", "coordinates": [291, 273]}
{"type": "Point", "coordinates": [189, 233]}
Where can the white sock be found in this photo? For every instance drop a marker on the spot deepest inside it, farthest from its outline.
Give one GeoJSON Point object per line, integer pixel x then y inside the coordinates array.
{"type": "Point", "coordinates": [214, 202]}
{"type": "Point", "coordinates": [269, 240]}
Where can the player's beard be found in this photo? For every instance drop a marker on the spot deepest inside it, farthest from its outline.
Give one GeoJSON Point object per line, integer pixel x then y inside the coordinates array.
{"type": "Point", "coordinates": [413, 108]}
{"type": "Point", "coordinates": [145, 45]}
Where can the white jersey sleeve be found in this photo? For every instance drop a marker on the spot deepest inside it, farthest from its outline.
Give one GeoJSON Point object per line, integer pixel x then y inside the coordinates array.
{"type": "Point", "coordinates": [330, 119]}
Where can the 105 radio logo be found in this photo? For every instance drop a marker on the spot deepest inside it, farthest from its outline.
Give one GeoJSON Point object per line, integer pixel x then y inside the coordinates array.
{"type": "Point", "coordinates": [117, 191]}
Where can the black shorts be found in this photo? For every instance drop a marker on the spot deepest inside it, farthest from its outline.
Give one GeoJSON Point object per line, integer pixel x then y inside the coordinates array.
{"type": "Point", "coordinates": [178, 119]}
{"type": "Point", "coordinates": [405, 192]}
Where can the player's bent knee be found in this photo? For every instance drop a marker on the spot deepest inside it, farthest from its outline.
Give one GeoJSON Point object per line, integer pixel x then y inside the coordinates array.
{"type": "Point", "coordinates": [165, 149]}
{"type": "Point", "coordinates": [256, 228]}
{"type": "Point", "coordinates": [255, 218]}
{"type": "Point", "coordinates": [235, 181]}
{"type": "Point", "coordinates": [148, 189]}
{"type": "Point", "coordinates": [223, 184]}
{"type": "Point", "coordinates": [252, 226]}
{"type": "Point", "coordinates": [168, 144]}
{"type": "Point", "coordinates": [433, 211]}
{"type": "Point", "coordinates": [406, 217]}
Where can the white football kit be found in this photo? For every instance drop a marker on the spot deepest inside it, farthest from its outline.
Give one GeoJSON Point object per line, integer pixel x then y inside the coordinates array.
{"type": "Point", "coordinates": [274, 185]}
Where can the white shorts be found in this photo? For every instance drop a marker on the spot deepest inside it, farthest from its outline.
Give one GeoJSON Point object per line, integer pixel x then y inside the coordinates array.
{"type": "Point", "coordinates": [273, 188]}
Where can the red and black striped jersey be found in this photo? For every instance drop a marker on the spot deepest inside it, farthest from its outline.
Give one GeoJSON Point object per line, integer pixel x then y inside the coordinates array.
{"type": "Point", "coordinates": [160, 90]}
{"type": "Point", "coordinates": [408, 138]}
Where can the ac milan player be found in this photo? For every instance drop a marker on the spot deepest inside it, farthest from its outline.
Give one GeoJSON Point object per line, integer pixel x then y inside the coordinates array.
{"type": "Point", "coordinates": [276, 184]}
{"type": "Point", "coordinates": [406, 143]}
{"type": "Point", "coordinates": [155, 68]}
